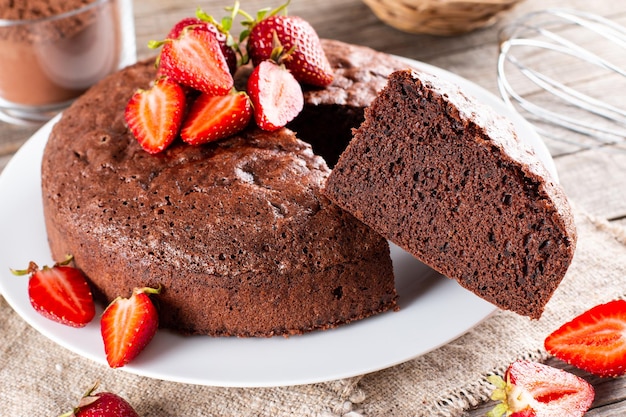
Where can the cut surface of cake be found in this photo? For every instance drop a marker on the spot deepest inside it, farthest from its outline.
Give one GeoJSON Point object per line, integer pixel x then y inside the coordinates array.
{"type": "Point", "coordinates": [330, 113]}
{"type": "Point", "coordinates": [237, 233]}
{"type": "Point", "coordinates": [448, 180]}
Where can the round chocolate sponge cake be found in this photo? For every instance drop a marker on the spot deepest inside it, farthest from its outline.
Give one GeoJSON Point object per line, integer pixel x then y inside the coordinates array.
{"type": "Point", "coordinates": [237, 233]}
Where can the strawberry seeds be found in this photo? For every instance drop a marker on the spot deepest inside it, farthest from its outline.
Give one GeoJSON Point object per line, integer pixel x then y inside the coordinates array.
{"type": "Point", "coordinates": [200, 55]}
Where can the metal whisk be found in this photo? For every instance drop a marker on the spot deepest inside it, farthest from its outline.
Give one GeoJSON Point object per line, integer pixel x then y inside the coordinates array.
{"type": "Point", "coordinates": [545, 58]}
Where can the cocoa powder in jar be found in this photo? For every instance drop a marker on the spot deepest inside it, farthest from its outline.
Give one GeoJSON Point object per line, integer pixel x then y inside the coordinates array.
{"type": "Point", "coordinates": [51, 54]}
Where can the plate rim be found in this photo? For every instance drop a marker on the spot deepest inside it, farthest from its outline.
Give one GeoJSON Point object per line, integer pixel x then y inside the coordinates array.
{"type": "Point", "coordinates": [33, 148]}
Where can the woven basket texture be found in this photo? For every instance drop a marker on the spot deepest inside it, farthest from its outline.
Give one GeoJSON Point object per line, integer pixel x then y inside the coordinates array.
{"type": "Point", "coordinates": [439, 17]}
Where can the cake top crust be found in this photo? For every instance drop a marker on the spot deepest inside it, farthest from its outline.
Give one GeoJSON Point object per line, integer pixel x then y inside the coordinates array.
{"type": "Point", "coordinates": [360, 73]}
{"type": "Point", "coordinates": [207, 201]}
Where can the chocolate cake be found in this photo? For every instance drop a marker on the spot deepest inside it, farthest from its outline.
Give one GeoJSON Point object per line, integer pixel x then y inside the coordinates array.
{"type": "Point", "coordinates": [331, 113]}
{"type": "Point", "coordinates": [449, 181]}
{"type": "Point", "coordinates": [236, 232]}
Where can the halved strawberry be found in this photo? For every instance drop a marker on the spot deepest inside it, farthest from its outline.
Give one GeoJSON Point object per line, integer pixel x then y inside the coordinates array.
{"type": "Point", "coordinates": [301, 46]}
{"type": "Point", "coordinates": [215, 117]}
{"type": "Point", "coordinates": [228, 52]}
{"type": "Point", "coordinates": [594, 341]}
{"type": "Point", "coordinates": [531, 389]}
{"type": "Point", "coordinates": [154, 116]}
{"type": "Point", "coordinates": [195, 59]}
{"type": "Point", "coordinates": [60, 293]}
{"type": "Point", "coordinates": [181, 25]}
{"type": "Point", "coordinates": [128, 325]}
{"type": "Point", "coordinates": [276, 95]}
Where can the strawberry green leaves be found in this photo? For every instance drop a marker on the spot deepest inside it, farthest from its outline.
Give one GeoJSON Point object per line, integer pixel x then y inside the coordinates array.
{"type": "Point", "coordinates": [200, 55]}
{"type": "Point", "coordinates": [531, 389]}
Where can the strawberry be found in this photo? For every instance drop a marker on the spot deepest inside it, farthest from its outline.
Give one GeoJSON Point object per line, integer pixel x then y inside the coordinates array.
{"type": "Point", "coordinates": [60, 293]}
{"type": "Point", "coordinates": [181, 25]}
{"type": "Point", "coordinates": [195, 59]}
{"type": "Point", "coordinates": [276, 95]}
{"type": "Point", "coordinates": [295, 40]}
{"type": "Point", "coordinates": [594, 341]}
{"type": "Point", "coordinates": [102, 404]}
{"type": "Point", "coordinates": [154, 116]}
{"type": "Point", "coordinates": [222, 38]}
{"type": "Point", "coordinates": [215, 117]}
{"type": "Point", "coordinates": [128, 325]}
{"type": "Point", "coordinates": [532, 389]}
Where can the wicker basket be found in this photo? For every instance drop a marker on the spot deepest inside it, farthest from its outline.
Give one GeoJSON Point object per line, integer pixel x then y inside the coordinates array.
{"type": "Point", "coordinates": [439, 17]}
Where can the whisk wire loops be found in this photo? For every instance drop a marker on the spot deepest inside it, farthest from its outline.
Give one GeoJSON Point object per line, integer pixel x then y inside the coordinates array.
{"type": "Point", "coordinates": [539, 35]}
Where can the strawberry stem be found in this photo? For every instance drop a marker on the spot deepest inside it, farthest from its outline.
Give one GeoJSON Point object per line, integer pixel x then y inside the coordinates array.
{"type": "Point", "coordinates": [156, 44]}
{"type": "Point", "coordinates": [281, 8]}
{"type": "Point", "coordinates": [225, 26]}
{"type": "Point", "coordinates": [279, 55]}
{"type": "Point", "coordinates": [33, 267]}
{"type": "Point", "coordinates": [68, 259]}
{"type": "Point", "coordinates": [148, 290]}
{"type": "Point", "coordinates": [236, 10]}
{"type": "Point", "coordinates": [85, 400]}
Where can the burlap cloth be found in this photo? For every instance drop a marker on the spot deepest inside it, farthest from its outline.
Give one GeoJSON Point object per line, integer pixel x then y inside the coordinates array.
{"type": "Point", "coordinates": [37, 377]}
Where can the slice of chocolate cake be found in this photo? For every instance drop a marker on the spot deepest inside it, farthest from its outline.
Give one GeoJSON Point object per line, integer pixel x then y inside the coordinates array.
{"type": "Point", "coordinates": [448, 180]}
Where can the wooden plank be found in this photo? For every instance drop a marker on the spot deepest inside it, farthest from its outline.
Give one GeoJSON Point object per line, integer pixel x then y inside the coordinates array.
{"type": "Point", "coordinates": [11, 139]}
{"type": "Point", "coordinates": [595, 181]}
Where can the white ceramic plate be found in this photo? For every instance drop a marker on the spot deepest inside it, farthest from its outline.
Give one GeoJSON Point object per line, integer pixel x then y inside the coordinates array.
{"type": "Point", "coordinates": [433, 309]}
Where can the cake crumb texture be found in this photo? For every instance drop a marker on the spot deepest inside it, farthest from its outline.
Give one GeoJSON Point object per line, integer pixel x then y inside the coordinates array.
{"type": "Point", "coordinates": [448, 180]}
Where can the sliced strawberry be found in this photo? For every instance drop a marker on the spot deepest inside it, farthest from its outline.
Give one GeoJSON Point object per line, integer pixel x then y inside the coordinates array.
{"type": "Point", "coordinates": [531, 389]}
{"type": "Point", "coordinates": [228, 52]}
{"type": "Point", "coordinates": [305, 57]}
{"type": "Point", "coordinates": [102, 404]}
{"type": "Point", "coordinates": [216, 117]}
{"type": "Point", "coordinates": [183, 24]}
{"type": "Point", "coordinates": [195, 59]}
{"type": "Point", "coordinates": [154, 116]}
{"type": "Point", "coordinates": [276, 95]}
{"type": "Point", "coordinates": [594, 341]}
{"type": "Point", "coordinates": [60, 293]}
{"type": "Point", "coordinates": [128, 325]}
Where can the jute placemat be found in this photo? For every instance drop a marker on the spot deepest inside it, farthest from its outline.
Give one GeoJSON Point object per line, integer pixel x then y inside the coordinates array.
{"type": "Point", "coordinates": [37, 377]}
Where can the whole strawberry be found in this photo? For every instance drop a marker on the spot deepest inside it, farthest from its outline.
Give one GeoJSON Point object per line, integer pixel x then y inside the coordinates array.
{"type": "Point", "coordinates": [102, 404]}
{"type": "Point", "coordinates": [531, 389]}
{"type": "Point", "coordinates": [295, 40]}
{"type": "Point", "coordinates": [60, 293]}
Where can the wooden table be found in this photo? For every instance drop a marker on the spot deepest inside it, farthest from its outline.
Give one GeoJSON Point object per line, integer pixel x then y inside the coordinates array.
{"type": "Point", "coordinates": [593, 178]}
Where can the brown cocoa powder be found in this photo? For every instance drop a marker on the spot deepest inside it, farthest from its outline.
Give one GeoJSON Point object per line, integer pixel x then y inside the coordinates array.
{"type": "Point", "coordinates": [37, 9]}
{"type": "Point", "coordinates": [49, 62]}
